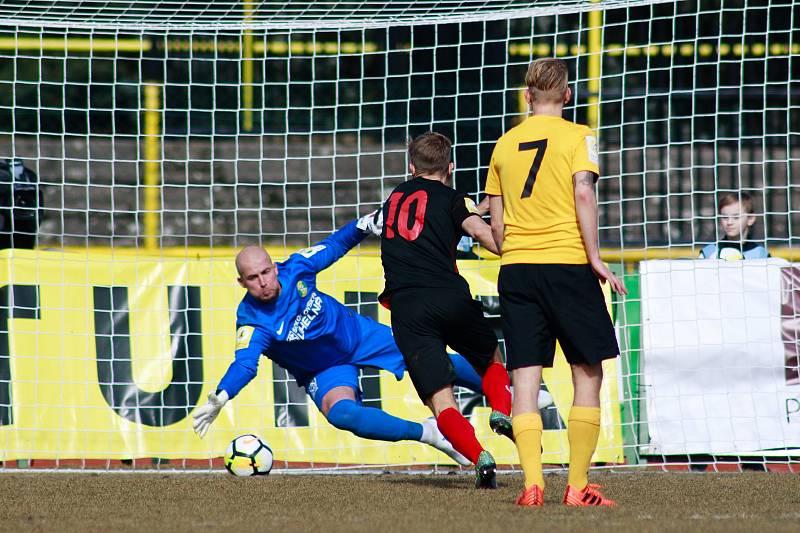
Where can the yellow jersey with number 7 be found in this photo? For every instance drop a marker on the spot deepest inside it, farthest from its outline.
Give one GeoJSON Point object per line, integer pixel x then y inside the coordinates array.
{"type": "Point", "coordinates": [531, 168]}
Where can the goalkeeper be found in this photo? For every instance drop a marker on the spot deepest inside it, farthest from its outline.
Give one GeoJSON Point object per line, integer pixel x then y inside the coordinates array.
{"type": "Point", "coordinates": [319, 341]}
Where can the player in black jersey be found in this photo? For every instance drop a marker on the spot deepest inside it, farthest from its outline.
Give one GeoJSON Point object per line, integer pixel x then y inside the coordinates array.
{"type": "Point", "coordinates": [430, 302]}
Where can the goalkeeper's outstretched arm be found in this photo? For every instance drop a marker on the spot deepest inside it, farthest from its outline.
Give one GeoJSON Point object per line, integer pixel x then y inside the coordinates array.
{"type": "Point", "coordinates": [240, 372]}
{"type": "Point", "coordinates": [335, 246]}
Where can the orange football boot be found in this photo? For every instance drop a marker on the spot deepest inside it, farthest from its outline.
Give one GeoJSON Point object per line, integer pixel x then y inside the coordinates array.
{"type": "Point", "coordinates": [533, 496]}
{"type": "Point", "coordinates": [588, 497]}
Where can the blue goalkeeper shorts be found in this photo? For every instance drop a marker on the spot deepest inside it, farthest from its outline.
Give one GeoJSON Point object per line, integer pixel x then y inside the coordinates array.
{"type": "Point", "coordinates": [376, 349]}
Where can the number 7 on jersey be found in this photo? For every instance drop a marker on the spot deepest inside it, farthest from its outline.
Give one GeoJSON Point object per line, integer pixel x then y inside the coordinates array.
{"type": "Point", "coordinates": [540, 146]}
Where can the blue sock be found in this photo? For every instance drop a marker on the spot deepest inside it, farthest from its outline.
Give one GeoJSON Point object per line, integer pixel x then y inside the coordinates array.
{"type": "Point", "coordinates": [371, 423]}
{"type": "Point", "coordinates": [466, 376]}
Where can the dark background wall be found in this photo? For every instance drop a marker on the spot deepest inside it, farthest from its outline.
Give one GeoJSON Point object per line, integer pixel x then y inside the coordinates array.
{"type": "Point", "coordinates": [696, 98]}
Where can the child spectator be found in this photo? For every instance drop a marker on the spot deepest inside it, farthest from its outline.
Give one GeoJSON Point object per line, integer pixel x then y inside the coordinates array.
{"type": "Point", "coordinates": [736, 221]}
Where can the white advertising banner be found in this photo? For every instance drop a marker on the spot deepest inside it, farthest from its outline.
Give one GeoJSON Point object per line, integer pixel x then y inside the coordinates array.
{"type": "Point", "coordinates": [720, 356]}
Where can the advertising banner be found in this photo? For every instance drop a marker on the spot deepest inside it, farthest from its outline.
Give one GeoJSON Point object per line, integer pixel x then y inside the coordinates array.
{"type": "Point", "coordinates": [106, 356]}
{"type": "Point", "coordinates": [720, 346]}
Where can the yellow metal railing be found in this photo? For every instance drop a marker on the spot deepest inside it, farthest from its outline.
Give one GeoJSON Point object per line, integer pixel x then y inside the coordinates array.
{"type": "Point", "coordinates": [76, 44]}
{"type": "Point", "coordinates": [609, 255]}
{"type": "Point", "coordinates": [594, 64]}
{"type": "Point", "coordinates": [248, 7]}
{"type": "Point", "coordinates": [152, 165]}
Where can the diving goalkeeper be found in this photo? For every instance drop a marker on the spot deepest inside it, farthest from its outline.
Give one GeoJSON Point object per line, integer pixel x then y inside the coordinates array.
{"type": "Point", "coordinates": [319, 341]}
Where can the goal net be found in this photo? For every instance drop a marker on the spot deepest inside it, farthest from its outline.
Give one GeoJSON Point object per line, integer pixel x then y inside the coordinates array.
{"type": "Point", "coordinates": [147, 142]}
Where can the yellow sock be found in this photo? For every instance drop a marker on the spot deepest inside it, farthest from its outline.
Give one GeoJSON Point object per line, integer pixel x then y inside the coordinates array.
{"type": "Point", "coordinates": [528, 436]}
{"type": "Point", "coordinates": [583, 429]}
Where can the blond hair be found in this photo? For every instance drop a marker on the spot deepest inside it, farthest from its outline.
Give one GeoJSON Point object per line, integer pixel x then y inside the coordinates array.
{"type": "Point", "coordinates": [547, 80]}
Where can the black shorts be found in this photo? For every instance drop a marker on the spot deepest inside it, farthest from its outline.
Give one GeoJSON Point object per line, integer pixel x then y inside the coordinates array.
{"type": "Point", "coordinates": [425, 321]}
{"type": "Point", "coordinates": [542, 303]}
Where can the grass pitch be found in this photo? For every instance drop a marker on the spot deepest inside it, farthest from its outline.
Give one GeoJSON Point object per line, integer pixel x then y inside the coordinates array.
{"type": "Point", "coordinates": [647, 501]}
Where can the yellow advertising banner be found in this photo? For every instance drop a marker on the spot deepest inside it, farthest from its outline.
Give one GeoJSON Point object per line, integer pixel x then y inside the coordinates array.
{"type": "Point", "coordinates": [105, 356]}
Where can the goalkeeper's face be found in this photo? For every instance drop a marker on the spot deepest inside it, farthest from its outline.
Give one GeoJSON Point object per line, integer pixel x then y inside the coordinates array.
{"type": "Point", "coordinates": [258, 274]}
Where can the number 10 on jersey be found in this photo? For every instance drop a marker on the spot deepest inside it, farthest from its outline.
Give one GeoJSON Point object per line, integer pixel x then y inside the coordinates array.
{"type": "Point", "coordinates": [398, 222]}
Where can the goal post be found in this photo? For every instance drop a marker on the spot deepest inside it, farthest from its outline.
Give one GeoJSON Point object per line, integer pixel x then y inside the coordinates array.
{"type": "Point", "coordinates": [161, 140]}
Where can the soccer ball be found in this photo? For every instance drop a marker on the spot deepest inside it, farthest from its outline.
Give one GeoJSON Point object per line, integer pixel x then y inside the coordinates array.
{"type": "Point", "coordinates": [248, 455]}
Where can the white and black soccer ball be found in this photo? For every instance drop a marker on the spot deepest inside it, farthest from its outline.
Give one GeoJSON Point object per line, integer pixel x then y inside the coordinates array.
{"type": "Point", "coordinates": [248, 455]}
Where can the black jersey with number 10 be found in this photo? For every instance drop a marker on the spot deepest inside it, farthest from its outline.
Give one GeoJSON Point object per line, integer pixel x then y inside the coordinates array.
{"type": "Point", "coordinates": [421, 229]}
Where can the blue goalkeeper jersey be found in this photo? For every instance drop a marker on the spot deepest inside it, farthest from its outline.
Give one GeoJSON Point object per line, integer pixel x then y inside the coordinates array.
{"type": "Point", "coordinates": [304, 330]}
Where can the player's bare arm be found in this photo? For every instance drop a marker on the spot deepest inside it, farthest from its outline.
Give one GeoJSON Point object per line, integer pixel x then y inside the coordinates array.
{"type": "Point", "coordinates": [586, 209]}
{"type": "Point", "coordinates": [483, 207]}
{"type": "Point", "coordinates": [498, 226]}
{"type": "Point", "coordinates": [479, 230]}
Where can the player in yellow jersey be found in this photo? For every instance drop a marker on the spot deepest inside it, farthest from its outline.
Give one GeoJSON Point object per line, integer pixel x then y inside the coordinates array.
{"type": "Point", "coordinates": [544, 220]}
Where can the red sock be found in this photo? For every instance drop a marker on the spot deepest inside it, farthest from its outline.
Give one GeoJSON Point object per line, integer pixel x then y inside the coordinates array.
{"type": "Point", "coordinates": [460, 433]}
{"type": "Point", "coordinates": [497, 388]}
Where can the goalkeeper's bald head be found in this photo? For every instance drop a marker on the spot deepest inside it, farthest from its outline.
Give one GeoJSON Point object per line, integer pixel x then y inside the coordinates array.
{"type": "Point", "coordinates": [257, 273]}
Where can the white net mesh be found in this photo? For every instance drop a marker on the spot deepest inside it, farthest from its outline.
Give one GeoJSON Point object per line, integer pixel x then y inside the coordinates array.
{"type": "Point", "coordinates": [187, 129]}
{"type": "Point", "coordinates": [281, 15]}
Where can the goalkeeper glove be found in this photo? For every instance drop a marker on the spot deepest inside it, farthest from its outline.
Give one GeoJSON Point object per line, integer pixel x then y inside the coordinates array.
{"type": "Point", "coordinates": [371, 223]}
{"type": "Point", "coordinates": [205, 415]}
